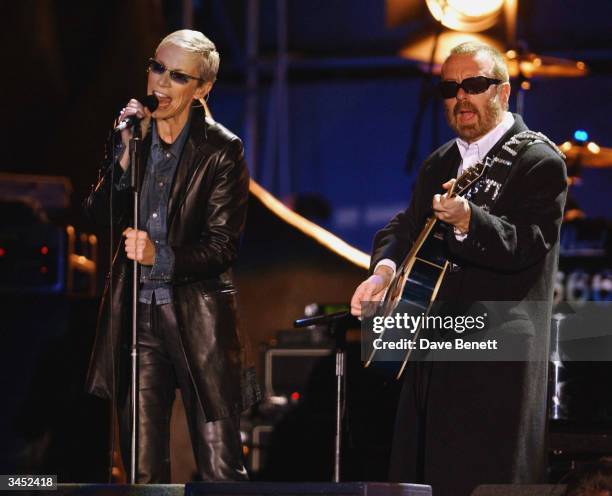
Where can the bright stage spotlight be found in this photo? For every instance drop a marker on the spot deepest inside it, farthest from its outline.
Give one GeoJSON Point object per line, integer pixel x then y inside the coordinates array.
{"type": "Point", "coordinates": [466, 15]}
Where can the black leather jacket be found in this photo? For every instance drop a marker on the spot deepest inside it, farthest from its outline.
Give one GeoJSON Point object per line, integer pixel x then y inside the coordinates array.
{"type": "Point", "coordinates": [206, 216]}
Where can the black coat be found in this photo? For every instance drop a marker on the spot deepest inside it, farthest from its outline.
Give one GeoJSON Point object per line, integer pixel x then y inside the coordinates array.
{"type": "Point", "coordinates": [460, 424]}
{"type": "Point", "coordinates": [206, 216]}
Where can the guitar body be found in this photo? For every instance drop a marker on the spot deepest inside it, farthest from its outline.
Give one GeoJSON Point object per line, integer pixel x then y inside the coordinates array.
{"type": "Point", "coordinates": [418, 279]}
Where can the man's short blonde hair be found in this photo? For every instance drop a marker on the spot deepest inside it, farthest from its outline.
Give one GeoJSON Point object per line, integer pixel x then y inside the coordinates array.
{"type": "Point", "coordinates": [500, 69]}
{"type": "Point", "coordinates": [196, 42]}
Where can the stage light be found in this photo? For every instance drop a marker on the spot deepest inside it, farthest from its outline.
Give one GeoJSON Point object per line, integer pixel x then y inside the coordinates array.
{"type": "Point", "coordinates": [593, 147]}
{"type": "Point", "coordinates": [580, 135]}
{"type": "Point", "coordinates": [589, 154]}
{"type": "Point", "coordinates": [466, 15]}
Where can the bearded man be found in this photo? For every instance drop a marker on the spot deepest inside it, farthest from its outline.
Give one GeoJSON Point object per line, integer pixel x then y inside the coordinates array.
{"type": "Point", "coordinates": [460, 424]}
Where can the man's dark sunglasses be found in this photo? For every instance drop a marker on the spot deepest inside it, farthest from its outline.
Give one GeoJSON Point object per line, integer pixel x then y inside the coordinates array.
{"type": "Point", "coordinates": [176, 76]}
{"type": "Point", "coordinates": [471, 85]}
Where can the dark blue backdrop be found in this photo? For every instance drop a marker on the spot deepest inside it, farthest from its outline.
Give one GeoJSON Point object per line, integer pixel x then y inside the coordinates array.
{"type": "Point", "coordinates": [349, 141]}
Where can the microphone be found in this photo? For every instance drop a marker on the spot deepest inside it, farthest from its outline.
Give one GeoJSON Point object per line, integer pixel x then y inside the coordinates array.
{"type": "Point", "coordinates": [149, 101]}
{"type": "Point", "coordinates": [342, 318]}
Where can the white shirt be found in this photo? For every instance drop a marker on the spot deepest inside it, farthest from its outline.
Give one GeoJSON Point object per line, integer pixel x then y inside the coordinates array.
{"type": "Point", "coordinates": [471, 154]}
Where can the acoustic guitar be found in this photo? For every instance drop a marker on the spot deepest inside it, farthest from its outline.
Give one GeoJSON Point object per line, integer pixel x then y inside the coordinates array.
{"type": "Point", "coordinates": [419, 277]}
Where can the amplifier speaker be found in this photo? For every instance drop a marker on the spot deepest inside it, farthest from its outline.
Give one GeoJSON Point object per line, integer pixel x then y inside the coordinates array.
{"type": "Point", "coordinates": [304, 489]}
{"type": "Point", "coordinates": [288, 370]}
{"type": "Point", "coordinates": [519, 490]}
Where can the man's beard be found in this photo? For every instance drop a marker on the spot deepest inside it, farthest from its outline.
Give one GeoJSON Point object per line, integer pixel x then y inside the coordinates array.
{"type": "Point", "coordinates": [484, 123]}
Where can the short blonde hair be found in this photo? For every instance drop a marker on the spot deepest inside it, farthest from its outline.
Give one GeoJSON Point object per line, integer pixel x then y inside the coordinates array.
{"type": "Point", "coordinates": [196, 42]}
{"type": "Point", "coordinates": [500, 69]}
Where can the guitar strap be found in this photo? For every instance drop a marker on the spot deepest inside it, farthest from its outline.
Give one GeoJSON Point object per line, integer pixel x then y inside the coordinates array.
{"type": "Point", "coordinates": [486, 190]}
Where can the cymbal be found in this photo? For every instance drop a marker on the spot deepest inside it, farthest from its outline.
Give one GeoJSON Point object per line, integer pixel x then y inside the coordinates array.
{"type": "Point", "coordinates": [531, 65]}
{"type": "Point", "coordinates": [419, 50]}
{"type": "Point", "coordinates": [587, 155]}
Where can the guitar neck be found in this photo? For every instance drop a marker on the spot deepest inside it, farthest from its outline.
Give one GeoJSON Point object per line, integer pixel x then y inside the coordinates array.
{"type": "Point", "coordinates": [429, 225]}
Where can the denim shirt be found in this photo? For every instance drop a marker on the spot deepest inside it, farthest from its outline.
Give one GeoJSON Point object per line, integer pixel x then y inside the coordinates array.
{"type": "Point", "coordinates": [154, 195]}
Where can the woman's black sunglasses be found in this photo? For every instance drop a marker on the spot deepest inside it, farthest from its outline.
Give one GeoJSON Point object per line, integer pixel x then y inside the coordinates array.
{"type": "Point", "coordinates": [176, 76]}
{"type": "Point", "coordinates": [471, 85]}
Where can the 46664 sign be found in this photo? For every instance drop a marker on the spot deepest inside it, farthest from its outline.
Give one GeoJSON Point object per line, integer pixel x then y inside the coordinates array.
{"type": "Point", "coordinates": [579, 286]}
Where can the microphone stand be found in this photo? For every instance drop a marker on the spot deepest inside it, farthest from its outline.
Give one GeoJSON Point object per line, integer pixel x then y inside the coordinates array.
{"type": "Point", "coordinates": [135, 158]}
{"type": "Point", "coordinates": [338, 323]}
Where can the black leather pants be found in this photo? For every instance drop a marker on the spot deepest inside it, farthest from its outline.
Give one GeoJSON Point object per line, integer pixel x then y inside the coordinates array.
{"type": "Point", "coordinates": [216, 445]}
